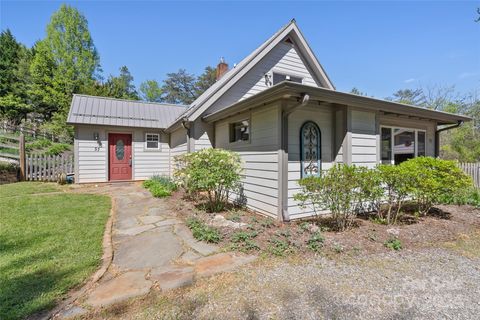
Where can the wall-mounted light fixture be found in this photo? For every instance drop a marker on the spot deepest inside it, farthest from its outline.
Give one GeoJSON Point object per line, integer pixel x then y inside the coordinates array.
{"type": "Point", "coordinates": [96, 136]}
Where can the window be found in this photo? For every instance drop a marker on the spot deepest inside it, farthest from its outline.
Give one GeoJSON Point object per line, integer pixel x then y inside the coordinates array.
{"type": "Point", "coordinates": [152, 141]}
{"type": "Point", "coordinates": [239, 131]}
{"type": "Point", "coordinates": [403, 145]}
{"type": "Point", "coordinates": [120, 149]}
{"type": "Point", "coordinates": [421, 143]}
{"type": "Point", "coordinates": [400, 144]}
{"type": "Point", "coordinates": [386, 145]}
{"type": "Point", "coordinates": [310, 149]}
{"type": "Point", "coordinates": [278, 77]}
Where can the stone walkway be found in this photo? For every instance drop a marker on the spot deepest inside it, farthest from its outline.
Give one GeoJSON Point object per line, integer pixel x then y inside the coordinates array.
{"type": "Point", "coordinates": [152, 248]}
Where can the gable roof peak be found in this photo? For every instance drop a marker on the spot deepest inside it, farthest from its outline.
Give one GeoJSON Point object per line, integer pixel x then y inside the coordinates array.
{"type": "Point", "coordinates": [206, 99]}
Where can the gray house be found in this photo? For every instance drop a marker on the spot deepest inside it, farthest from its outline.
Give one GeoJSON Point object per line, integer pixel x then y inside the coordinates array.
{"type": "Point", "coordinates": [277, 108]}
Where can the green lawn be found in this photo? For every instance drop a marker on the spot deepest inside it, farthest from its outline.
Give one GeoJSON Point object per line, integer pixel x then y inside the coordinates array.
{"type": "Point", "coordinates": [26, 188]}
{"type": "Point", "coordinates": [48, 244]}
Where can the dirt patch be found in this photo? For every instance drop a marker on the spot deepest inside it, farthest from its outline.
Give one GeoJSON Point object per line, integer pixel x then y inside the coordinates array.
{"type": "Point", "coordinates": [261, 234]}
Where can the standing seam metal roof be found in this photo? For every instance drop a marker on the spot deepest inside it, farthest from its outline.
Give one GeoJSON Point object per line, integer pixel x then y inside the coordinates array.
{"type": "Point", "coordinates": [117, 112]}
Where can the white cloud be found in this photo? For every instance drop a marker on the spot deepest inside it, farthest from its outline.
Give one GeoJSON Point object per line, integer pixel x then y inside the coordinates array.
{"type": "Point", "coordinates": [410, 80]}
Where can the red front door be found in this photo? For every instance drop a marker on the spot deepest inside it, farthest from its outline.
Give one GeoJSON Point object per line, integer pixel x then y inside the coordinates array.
{"type": "Point", "coordinates": [120, 155]}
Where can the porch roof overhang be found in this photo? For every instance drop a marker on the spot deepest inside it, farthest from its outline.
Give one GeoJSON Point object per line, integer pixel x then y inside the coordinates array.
{"type": "Point", "coordinates": [295, 91]}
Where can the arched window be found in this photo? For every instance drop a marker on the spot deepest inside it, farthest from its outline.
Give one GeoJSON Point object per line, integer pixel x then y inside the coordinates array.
{"type": "Point", "coordinates": [310, 149]}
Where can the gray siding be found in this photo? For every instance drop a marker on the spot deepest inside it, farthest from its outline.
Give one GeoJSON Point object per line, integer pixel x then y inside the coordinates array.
{"type": "Point", "coordinates": [178, 145]}
{"type": "Point", "coordinates": [259, 157]}
{"type": "Point", "coordinates": [92, 157]}
{"type": "Point", "coordinates": [203, 134]}
{"type": "Point", "coordinates": [283, 59]}
{"type": "Point", "coordinates": [364, 138]}
{"type": "Point", "coordinates": [149, 162]}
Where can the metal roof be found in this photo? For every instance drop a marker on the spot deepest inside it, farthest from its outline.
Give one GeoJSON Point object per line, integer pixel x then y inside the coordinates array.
{"type": "Point", "coordinates": [118, 112]}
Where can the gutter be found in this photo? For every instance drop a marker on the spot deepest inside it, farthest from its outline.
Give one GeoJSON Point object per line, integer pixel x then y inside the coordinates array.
{"type": "Point", "coordinates": [283, 158]}
{"type": "Point", "coordinates": [437, 136]}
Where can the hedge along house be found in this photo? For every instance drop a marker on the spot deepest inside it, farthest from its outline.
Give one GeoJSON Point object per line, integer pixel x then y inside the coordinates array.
{"type": "Point", "coordinates": [277, 108]}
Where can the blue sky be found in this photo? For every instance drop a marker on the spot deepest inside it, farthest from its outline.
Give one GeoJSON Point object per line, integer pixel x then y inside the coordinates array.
{"type": "Point", "coordinates": [378, 47]}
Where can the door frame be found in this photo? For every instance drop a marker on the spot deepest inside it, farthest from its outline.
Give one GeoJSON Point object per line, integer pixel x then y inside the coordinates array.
{"type": "Point", "coordinates": [107, 165]}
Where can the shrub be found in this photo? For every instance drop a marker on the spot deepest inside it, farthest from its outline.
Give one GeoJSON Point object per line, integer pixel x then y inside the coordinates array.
{"type": "Point", "coordinates": [279, 247]}
{"type": "Point", "coordinates": [395, 182]}
{"type": "Point", "coordinates": [338, 190]}
{"type": "Point", "coordinates": [371, 190]}
{"type": "Point", "coordinates": [315, 243]}
{"type": "Point", "coordinates": [160, 186]}
{"type": "Point", "coordinates": [38, 144]}
{"type": "Point", "coordinates": [470, 196]}
{"type": "Point", "coordinates": [8, 167]}
{"type": "Point", "coordinates": [432, 179]}
{"type": "Point", "coordinates": [203, 232]}
{"type": "Point", "coordinates": [394, 244]}
{"type": "Point", "coordinates": [57, 148]}
{"type": "Point", "coordinates": [211, 170]}
{"type": "Point", "coordinates": [242, 236]}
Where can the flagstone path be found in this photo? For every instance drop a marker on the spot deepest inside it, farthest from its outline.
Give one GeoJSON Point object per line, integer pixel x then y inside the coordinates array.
{"type": "Point", "coordinates": [152, 248]}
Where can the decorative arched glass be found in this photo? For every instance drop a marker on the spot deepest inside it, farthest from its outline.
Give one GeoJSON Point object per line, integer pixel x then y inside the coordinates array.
{"type": "Point", "coordinates": [310, 149]}
{"type": "Point", "coordinates": [120, 149]}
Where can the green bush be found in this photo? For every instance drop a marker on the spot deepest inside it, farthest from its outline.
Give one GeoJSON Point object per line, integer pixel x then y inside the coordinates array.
{"type": "Point", "coordinates": [160, 186]}
{"type": "Point", "coordinates": [279, 247]}
{"type": "Point", "coordinates": [315, 242]}
{"type": "Point", "coordinates": [370, 188]}
{"type": "Point", "coordinates": [213, 171]}
{"type": "Point", "coordinates": [8, 167]}
{"type": "Point", "coordinates": [394, 244]}
{"type": "Point", "coordinates": [57, 148]}
{"type": "Point", "coordinates": [395, 182]}
{"type": "Point", "coordinates": [242, 236]}
{"type": "Point", "coordinates": [470, 196]}
{"type": "Point", "coordinates": [39, 144]}
{"type": "Point", "coordinates": [338, 190]}
{"type": "Point", "coordinates": [203, 232]}
{"type": "Point", "coordinates": [346, 190]}
{"type": "Point", "coordinates": [431, 179]}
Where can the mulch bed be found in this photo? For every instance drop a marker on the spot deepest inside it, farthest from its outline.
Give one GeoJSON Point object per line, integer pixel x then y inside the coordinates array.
{"type": "Point", "coordinates": [445, 223]}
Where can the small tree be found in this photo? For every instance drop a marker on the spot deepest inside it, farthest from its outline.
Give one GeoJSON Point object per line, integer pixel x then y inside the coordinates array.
{"type": "Point", "coordinates": [395, 182]}
{"type": "Point", "coordinates": [337, 190]}
{"type": "Point", "coordinates": [211, 170]}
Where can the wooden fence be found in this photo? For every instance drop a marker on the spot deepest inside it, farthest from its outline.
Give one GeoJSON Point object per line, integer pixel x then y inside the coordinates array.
{"type": "Point", "coordinates": [47, 168]}
{"type": "Point", "coordinates": [473, 170]}
{"type": "Point", "coordinates": [29, 129]}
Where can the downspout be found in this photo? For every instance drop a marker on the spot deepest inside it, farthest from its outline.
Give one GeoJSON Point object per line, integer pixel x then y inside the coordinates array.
{"type": "Point", "coordinates": [437, 136]}
{"type": "Point", "coordinates": [283, 161]}
{"type": "Point", "coordinates": [186, 124]}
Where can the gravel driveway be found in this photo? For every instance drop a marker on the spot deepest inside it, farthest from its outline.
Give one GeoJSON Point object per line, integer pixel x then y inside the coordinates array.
{"type": "Point", "coordinates": [422, 284]}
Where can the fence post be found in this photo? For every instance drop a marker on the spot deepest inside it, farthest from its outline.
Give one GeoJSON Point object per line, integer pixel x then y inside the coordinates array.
{"type": "Point", "coordinates": [21, 149]}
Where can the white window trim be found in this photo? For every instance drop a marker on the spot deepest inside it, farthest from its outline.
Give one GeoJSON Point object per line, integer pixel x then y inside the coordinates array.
{"type": "Point", "coordinates": [146, 145]}
{"type": "Point", "coordinates": [249, 134]}
{"type": "Point", "coordinates": [392, 142]}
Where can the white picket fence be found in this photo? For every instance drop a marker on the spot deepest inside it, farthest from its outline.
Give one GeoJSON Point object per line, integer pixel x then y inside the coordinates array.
{"type": "Point", "coordinates": [41, 167]}
{"type": "Point", "coordinates": [473, 170]}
